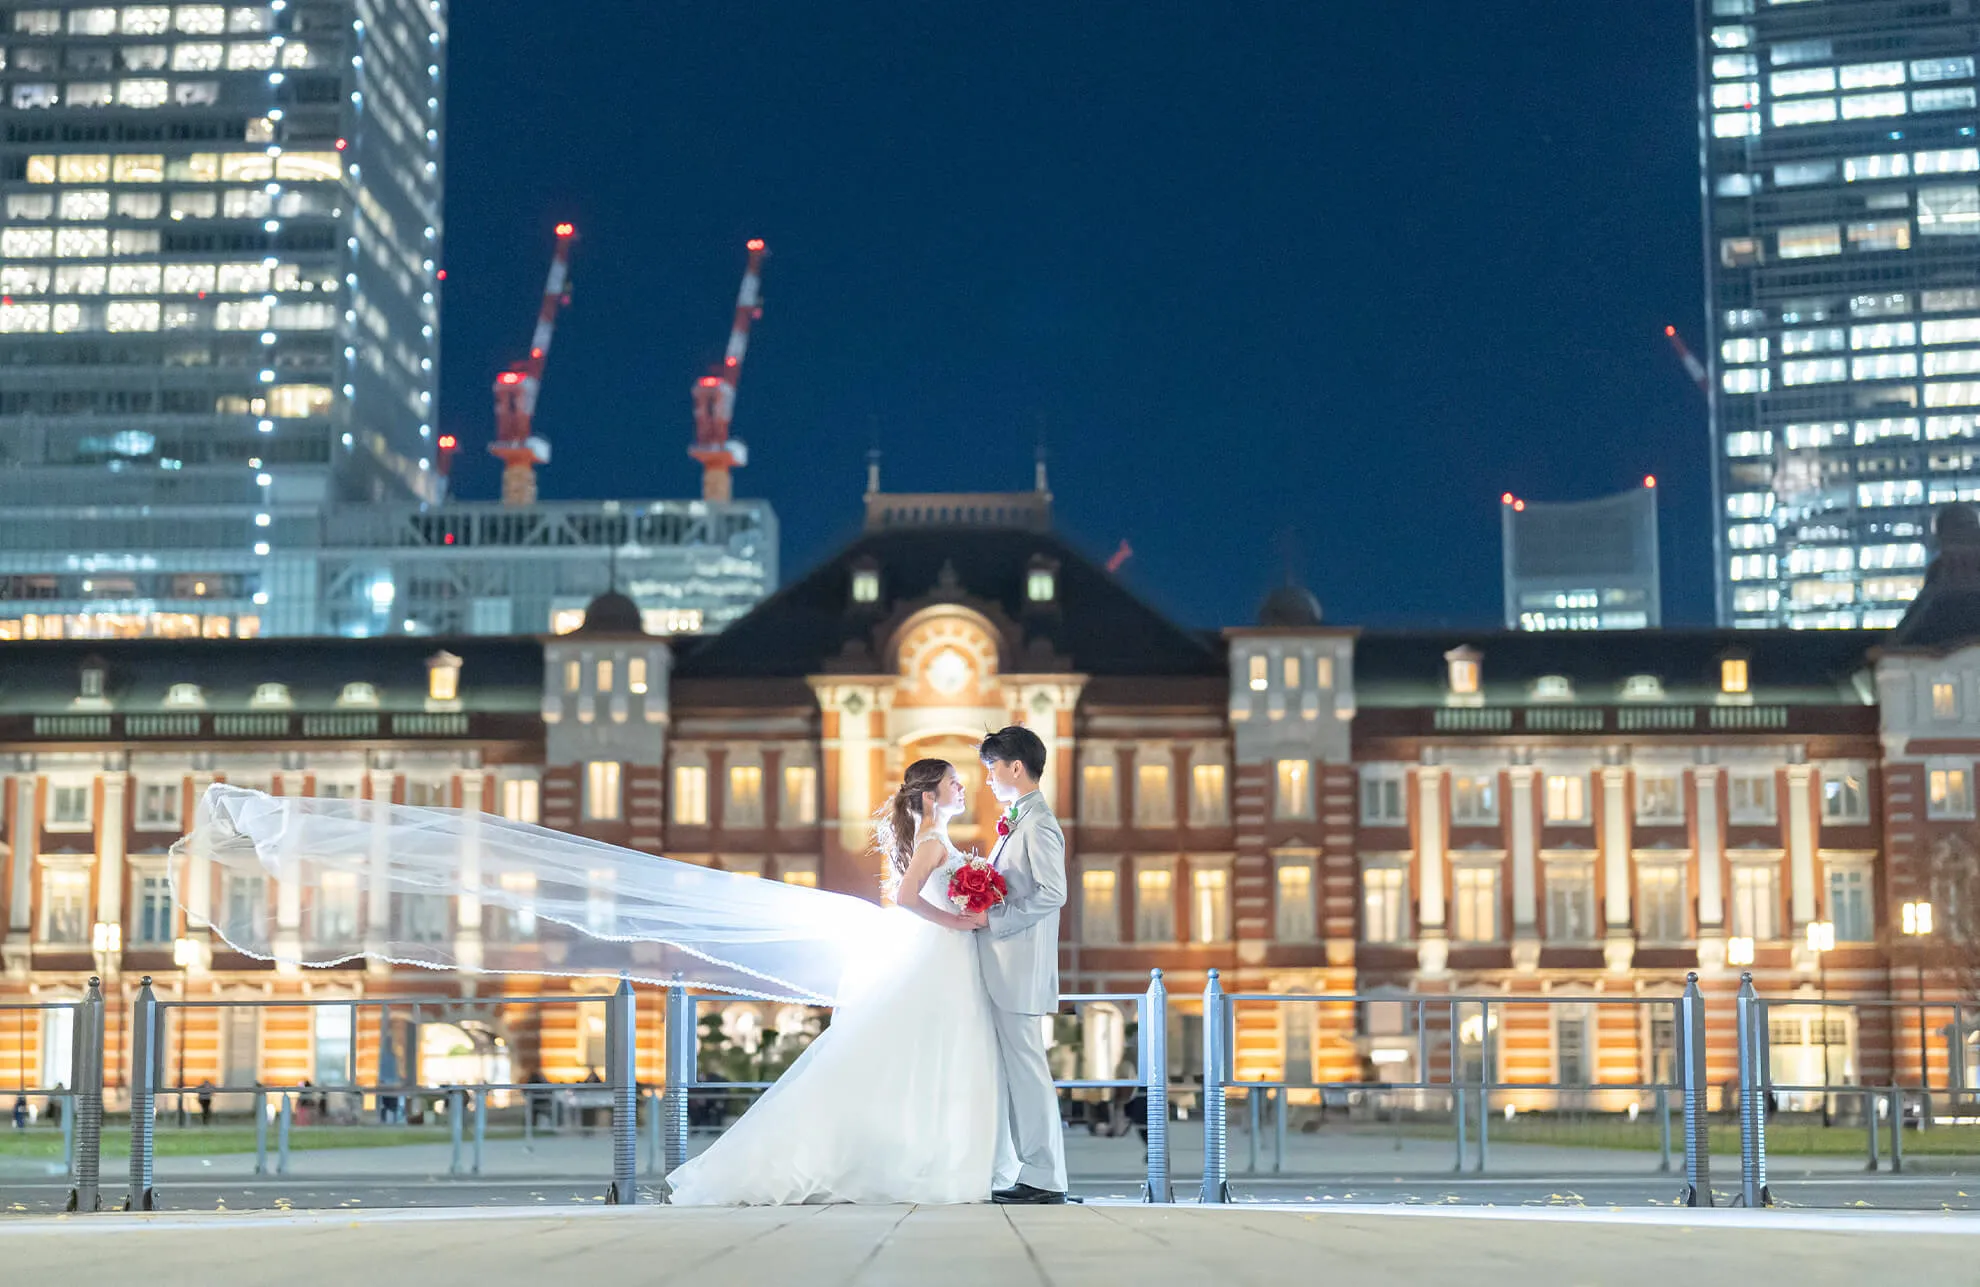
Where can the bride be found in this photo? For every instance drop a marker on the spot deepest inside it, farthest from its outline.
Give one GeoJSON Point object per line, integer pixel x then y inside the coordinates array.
{"type": "Point", "coordinates": [897, 1100]}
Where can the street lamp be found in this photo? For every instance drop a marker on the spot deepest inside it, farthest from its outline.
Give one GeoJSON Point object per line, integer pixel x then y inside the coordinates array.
{"type": "Point", "coordinates": [1917, 927]}
{"type": "Point", "coordinates": [1822, 941]}
{"type": "Point", "coordinates": [184, 952]}
{"type": "Point", "coordinates": [1739, 951]}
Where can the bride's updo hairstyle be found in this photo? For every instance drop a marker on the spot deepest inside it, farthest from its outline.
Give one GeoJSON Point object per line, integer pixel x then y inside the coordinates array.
{"type": "Point", "coordinates": [893, 830]}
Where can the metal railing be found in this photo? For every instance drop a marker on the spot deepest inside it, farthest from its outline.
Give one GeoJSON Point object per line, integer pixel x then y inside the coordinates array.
{"type": "Point", "coordinates": [1443, 1030]}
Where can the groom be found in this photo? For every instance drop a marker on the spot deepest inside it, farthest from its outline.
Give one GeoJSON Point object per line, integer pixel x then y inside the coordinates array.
{"type": "Point", "coordinates": [1019, 946]}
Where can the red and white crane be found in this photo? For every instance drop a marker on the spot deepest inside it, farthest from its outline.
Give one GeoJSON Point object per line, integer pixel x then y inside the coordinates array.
{"type": "Point", "coordinates": [516, 444]}
{"type": "Point", "coordinates": [715, 393]}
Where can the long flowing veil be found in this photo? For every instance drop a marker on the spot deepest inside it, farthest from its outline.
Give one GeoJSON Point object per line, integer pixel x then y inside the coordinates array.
{"type": "Point", "coordinates": [313, 882]}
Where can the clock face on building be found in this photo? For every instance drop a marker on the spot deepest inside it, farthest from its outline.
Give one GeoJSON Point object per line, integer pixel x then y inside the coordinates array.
{"type": "Point", "coordinates": [948, 672]}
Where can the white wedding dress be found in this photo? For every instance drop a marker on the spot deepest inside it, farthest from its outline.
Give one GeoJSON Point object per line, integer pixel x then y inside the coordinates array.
{"type": "Point", "coordinates": [895, 1102]}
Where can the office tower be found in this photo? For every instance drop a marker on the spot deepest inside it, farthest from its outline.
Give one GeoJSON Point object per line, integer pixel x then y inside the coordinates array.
{"type": "Point", "coordinates": [1842, 261]}
{"type": "Point", "coordinates": [1582, 565]}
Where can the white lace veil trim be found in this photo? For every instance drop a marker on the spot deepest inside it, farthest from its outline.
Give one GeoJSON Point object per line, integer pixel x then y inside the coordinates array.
{"type": "Point", "coordinates": [320, 883]}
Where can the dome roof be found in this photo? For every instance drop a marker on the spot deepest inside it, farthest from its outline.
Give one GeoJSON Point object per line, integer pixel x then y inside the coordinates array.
{"type": "Point", "coordinates": [612, 613]}
{"type": "Point", "coordinates": [1289, 607]}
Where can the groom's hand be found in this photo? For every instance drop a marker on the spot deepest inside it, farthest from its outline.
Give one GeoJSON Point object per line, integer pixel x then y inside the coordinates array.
{"type": "Point", "coordinates": [976, 921]}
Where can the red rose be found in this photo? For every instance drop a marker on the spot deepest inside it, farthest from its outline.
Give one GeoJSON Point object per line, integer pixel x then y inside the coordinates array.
{"type": "Point", "coordinates": [1003, 825]}
{"type": "Point", "coordinates": [975, 888]}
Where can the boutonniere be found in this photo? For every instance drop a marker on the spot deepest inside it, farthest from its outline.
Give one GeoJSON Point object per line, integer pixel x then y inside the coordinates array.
{"type": "Point", "coordinates": [1007, 820]}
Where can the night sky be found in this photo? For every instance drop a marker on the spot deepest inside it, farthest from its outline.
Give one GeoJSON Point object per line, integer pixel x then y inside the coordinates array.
{"type": "Point", "coordinates": [1344, 272]}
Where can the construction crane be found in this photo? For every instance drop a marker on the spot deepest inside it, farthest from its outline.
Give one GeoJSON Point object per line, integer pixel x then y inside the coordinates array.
{"type": "Point", "coordinates": [715, 393]}
{"type": "Point", "coordinates": [1693, 367]}
{"type": "Point", "coordinates": [516, 444]}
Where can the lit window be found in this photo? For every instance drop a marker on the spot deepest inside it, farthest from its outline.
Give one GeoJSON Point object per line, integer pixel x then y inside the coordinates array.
{"type": "Point", "coordinates": [1294, 798]}
{"type": "Point", "coordinates": [1814, 371]}
{"type": "Point", "coordinates": [1736, 94]}
{"type": "Point", "coordinates": [358, 694]}
{"type": "Point", "coordinates": [1294, 918]}
{"type": "Point", "coordinates": [198, 56]}
{"type": "Point", "coordinates": [1945, 699]}
{"type": "Point", "coordinates": [1570, 902]}
{"type": "Point", "coordinates": [1099, 909]}
{"type": "Point", "coordinates": [1659, 797]}
{"type": "Point", "coordinates": [1475, 799]}
{"type": "Point", "coordinates": [691, 795]}
{"type": "Point", "coordinates": [605, 675]}
{"type": "Point", "coordinates": [1643, 688]}
{"type": "Point", "coordinates": [271, 697]}
{"type": "Point", "coordinates": [636, 674]}
{"type": "Point", "coordinates": [1880, 234]}
{"type": "Point", "coordinates": [1857, 107]}
{"type": "Point", "coordinates": [146, 20]}
{"type": "Point", "coordinates": [1949, 211]}
{"type": "Point", "coordinates": [1732, 675]}
{"type": "Point", "coordinates": [1752, 796]}
{"type": "Point", "coordinates": [1038, 586]}
{"type": "Point", "coordinates": [1463, 671]}
{"type": "Point", "coordinates": [1567, 797]}
{"type": "Point", "coordinates": [1949, 792]}
{"type": "Point", "coordinates": [1804, 241]}
{"type": "Point", "coordinates": [1744, 349]}
{"type": "Point", "coordinates": [1872, 75]}
{"type": "Point", "coordinates": [132, 315]}
{"type": "Point", "coordinates": [797, 871]}
{"type": "Point", "coordinates": [1384, 915]}
{"type": "Point", "coordinates": [1475, 904]}
{"type": "Point", "coordinates": [601, 790]}
{"type": "Point", "coordinates": [1942, 100]}
{"type": "Point", "coordinates": [1210, 905]}
{"type": "Point", "coordinates": [65, 916]}
{"type": "Point", "coordinates": [1258, 673]}
{"type": "Point", "coordinates": [1804, 111]}
{"type": "Point", "coordinates": [520, 799]}
{"type": "Point", "coordinates": [865, 586]}
{"type": "Point", "coordinates": [1098, 803]}
{"type": "Point", "coordinates": [1154, 905]}
{"type": "Point", "coordinates": [296, 401]}
{"type": "Point", "coordinates": [1154, 799]}
{"type": "Point", "coordinates": [143, 93]}
{"type": "Point", "coordinates": [1930, 69]}
{"type": "Point", "coordinates": [184, 695]}
{"type": "Point", "coordinates": [743, 806]}
{"type": "Point", "coordinates": [1739, 252]}
{"type": "Point", "coordinates": [1808, 80]}
{"type": "Point", "coordinates": [800, 803]}
{"type": "Point", "coordinates": [1797, 174]}
{"type": "Point", "coordinates": [1661, 904]}
{"type": "Point", "coordinates": [443, 677]}
{"type": "Point", "coordinates": [1756, 912]}
{"type": "Point", "coordinates": [250, 55]}
{"type": "Point", "coordinates": [1845, 794]}
{"type": "Point", "coordinates": [1735, 125]}
{"type": "Point", "coordinates": [1207, 805]}
{"type": "Point", "coordinates": [1963, 160]}
{"type": "Point", "coordinates": [201, 19]}
{"type": "Point", "coordinates": [1892, 165]}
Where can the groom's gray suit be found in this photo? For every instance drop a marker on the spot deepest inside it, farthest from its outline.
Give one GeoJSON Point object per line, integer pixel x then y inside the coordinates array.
{"type": "Point", "coordinates": [1020, 953]}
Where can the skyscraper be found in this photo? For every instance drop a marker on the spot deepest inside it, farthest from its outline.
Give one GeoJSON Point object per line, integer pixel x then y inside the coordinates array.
{"type": "Point", "coordinates": [1582, 565]}
{"type": "Point", "coordinates": [1842, 261]}
{"type": "Point", "coordinates": [218, 289]}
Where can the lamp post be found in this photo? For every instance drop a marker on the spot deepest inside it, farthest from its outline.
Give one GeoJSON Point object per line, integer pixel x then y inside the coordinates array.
{"type": "Point", "coordinates": [1918, 927]}
{"type": "Point", "coordinates": [184, 952]}
{"type": "Point", "coordinates": [1821, 941]}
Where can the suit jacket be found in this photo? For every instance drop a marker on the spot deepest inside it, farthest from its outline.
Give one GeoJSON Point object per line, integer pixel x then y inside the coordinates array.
{"type": "Point", "coordinates": [1020, 946]}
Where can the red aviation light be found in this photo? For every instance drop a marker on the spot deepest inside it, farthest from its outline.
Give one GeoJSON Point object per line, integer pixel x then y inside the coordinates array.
{"type": "Point", "coordinates": [1649, 480]}
{"type": "Point", "coordinates": [567, 230]}
{"type": "Point", "coordinates": [447, 442]}
{"type": "Point", "coordinates": [509, 377]}
{"type": "Point", "coordinates": [341, 144]}
{"type": "Point", "coordinates": [1506, 499]}
{"type": "Point", "coordinates": [1671, 330]}
{"type": "Point", "coordinates": [755, 243]}
{"type": "Point", "coordinates": [1519, 507]}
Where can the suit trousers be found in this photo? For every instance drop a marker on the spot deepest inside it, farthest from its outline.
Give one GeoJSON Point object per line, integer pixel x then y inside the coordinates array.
{"type": "Point", "coordinates": [1031, 1144]}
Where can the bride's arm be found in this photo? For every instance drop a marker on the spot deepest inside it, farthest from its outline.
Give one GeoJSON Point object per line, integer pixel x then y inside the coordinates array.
{"type": "Point", "coordinates": [927, 856]}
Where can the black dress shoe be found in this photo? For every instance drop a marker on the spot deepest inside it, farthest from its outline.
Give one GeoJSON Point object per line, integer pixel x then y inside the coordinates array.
{"type": "Point", "coordinates": [1027, 1195]}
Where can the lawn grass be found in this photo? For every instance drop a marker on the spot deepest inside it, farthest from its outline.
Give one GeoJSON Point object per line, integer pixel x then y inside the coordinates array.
{"type": "Point", "coordinates": [1785, 1138]}
{"type": "Point", "coordinates": [45, 1143]}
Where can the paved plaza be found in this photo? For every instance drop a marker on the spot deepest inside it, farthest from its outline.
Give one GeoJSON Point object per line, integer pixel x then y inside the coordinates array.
{"type": "Point", "coordinates": [965, 1246]}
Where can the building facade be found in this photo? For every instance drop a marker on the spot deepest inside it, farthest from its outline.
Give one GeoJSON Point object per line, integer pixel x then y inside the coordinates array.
{"type": "Point", "coordinates": [1583, 565]}
{"type": "Point", "coordinates": [1307, 808]}
{"type": "Point", "coordinates": [1841, 195]}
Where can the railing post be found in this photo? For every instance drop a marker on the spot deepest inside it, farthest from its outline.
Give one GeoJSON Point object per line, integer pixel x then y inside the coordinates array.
{"type": "Point", "coordinates": [261, 1132]}
{"type": "Point", "coordinates": [1897, 1128]}
{"type": "Point", "coordinates": [1253, 1124]}
{"type": "Point", "coordinates": [681, 1061]}
{"type": "Point", "coordinates": [144, 1098]}
{"type": "Point", "coordinates": [1216, 1116]}
{"type": "Point", "coordinates": [1487, 1061]}
{"type": "Point", "coordinates": [1697, 1121]}
{"type": "Point", "coordinates": [286, 1118]}
{"type": "Point", "coordinates": [653, 1102]}
{"type": "Point", "coordinates": [1279, 1111]}
{"type": "Point", "coordinates": [1154, 1043]}
{"type": "Point", "coordinates": [1754, 1083]}
{"type": "Point", "coordinates": [1457, 1112]}
{"type": "Point", "coordinates": [83, 1114]}
{"type": "Point", "coordinates": [622, 1017]}
{"type": "Point", "coordinates": [1871, 1102]}
{"type": "Point", "coordinates": [1663, 1130]}
{"type": "Point", "coordinates": [453, 1128]}
{"type": "Point", "coordinates": [480, 1098]}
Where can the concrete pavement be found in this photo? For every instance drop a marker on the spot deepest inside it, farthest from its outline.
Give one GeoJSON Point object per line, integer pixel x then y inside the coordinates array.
{"type": "Point", "coordinates": [966, 1246]}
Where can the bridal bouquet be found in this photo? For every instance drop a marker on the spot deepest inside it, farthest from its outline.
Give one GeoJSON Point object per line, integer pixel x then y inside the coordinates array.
{"type": "Point", "coordinates": [975, 886]}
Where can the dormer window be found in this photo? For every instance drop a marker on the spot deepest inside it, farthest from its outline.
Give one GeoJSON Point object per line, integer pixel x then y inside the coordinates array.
{"type": "Point", "coordinates": [1464, 671]}
{"type": "Point", "coordinates": [271, 697]}
{"type": "Point", "coordinates": [1260, 674]}
{"type": "Point", "coordinates": [1643, 688]}
{"type": "Point", "coordinates": [358, 694]}
{"type": "Point", "coordinates": [1553, 688]}
{"type": "Point", "coordinates": [92, 682]}
{"type": "Point", "coordinates": [636, 674]}
{"type": "Point", "coordinates": [185, 697]}
{"type": "Point", "coordinates": [866, 585]}
{"type": "Point", "coordinates": [1732, 675]}
{"type": "Point", "coordinates": [1041, 580]}
{"type": "Point", "coordinates": [443, 677]}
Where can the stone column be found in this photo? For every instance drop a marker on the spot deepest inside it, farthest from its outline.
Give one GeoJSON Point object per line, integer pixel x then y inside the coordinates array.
{"type": "Point", "coordinates": [110, 845]}
{"type": "Point", "coordinates": [1433, 948]}
{"type": "Point", "coordinates": [467, 932]}
{"type": "Point", "coordinates": [1524, 844]}
{"type": "Point", "coordinates": [20, 898]}
{"type": "Point", "coordinates": [1619, 946]}
{"type": "Point", "coordinates": [1711, 869]}
{"type": "Point", "coordinates": [1801, 844]}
